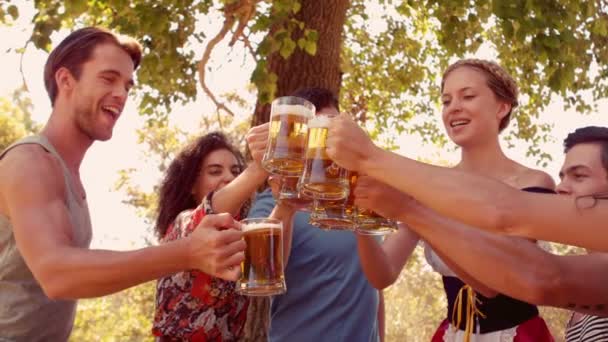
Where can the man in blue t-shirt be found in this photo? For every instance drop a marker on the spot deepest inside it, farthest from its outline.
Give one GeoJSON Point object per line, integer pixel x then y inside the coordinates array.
{"type": "Point", "coordinates": [328, 297]}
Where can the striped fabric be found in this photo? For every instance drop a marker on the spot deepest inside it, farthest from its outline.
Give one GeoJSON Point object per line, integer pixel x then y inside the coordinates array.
{"type": "Point", "coordinates": [588, 329]}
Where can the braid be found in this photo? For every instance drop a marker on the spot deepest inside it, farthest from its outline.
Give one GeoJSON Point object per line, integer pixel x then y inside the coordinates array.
{"type": "Point", "coordinates": [499, 81]}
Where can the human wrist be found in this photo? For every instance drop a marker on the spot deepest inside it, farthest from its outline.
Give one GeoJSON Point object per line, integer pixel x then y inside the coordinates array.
{"type": "Point", "coordinates": [373, 160]}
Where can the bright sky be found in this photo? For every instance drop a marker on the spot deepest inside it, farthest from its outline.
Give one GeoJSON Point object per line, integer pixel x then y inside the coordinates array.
{"type": "Point", "coordinates": [116, 225]}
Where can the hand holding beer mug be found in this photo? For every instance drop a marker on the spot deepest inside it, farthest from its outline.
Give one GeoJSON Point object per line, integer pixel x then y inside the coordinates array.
{"type": "Point", "coordinates": [322, 178]}
{"type": "Point", "coordinates": [217, 246]}
{"type": "Point", "coordinates": [287, 135]}
{"type": "Point", "coordinates": [262, 269]}
{"type": "Point", "coordinates": [371, 194]}
{"type": "Point", "coordinates": [347, 144]}
{"type": "Point", "coordinates": [257, 141]}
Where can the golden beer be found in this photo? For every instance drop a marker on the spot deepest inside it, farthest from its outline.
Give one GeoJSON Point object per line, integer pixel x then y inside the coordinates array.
{"type": "Point", "coordinates": [369, 222]}
{"type": "Point", "coordinates": [290, 193]}
{"type": "Point", "coordinates": [262, 270]}
{"type": "Point", "coordinates": [287, 136]}
{"type": "Point", "coordinates": [335, 215]}
{"type": "Point", "coordinates": [322, 178]}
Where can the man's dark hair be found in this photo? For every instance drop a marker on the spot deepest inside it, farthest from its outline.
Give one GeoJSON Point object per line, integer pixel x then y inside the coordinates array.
{"type": "Point", "coordinates": [77, 48]}
{"type": "Point", "coordinates": [590, 135]}
{"type": "Point", "coordinates": [320, 97]}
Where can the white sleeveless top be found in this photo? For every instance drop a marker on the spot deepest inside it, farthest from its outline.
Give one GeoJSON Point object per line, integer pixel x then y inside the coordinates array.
{"type": "Point", "coordinates": [26, 313]}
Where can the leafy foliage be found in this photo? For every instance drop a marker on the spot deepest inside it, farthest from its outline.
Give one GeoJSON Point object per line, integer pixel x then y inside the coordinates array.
{"type": "Point", "coordinates": [391, 63]}
{"type": "Point", "coordinates": [124, 316]}
{"type": "Point", "coordinates": [15, 118]}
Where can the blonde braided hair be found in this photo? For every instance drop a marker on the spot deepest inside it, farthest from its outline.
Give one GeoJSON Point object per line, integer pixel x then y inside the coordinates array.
{"type": "Point", "coordinates": [498, 80]}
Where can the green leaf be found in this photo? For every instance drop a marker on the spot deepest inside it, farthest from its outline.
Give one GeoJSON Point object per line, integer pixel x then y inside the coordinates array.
{"type": "Point", "coordinates": [302, 43]}
{"type": "Point", "coordinates": [296, 7]}
{"type": "Point", "coordinates": [600, 27]}
{"type": "Point", "coordinates": [311, 48]}
{"type": "Point", "coordinates": [13, 11]}
{"type": "Point", "coordinates": [287, 48]}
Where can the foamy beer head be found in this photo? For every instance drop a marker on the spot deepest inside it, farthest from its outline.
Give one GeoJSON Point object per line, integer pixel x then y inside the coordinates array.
{"type": "Point", "coordinates": [317, 137]}
{"type": "Point", "coordinates": [289, 117]}
{"type": "Point", "coordinates": [262, 270]}
{"type": "Point", "coordinates": [322, 178]}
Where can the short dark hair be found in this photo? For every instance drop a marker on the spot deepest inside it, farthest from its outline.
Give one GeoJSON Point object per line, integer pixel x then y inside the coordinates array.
{"type": "Point", "coordinates": [320, 97]}
{"type": "Point", "coordinates": [77, 48]}
{"type": "Point", "coordinates": [590, 135]}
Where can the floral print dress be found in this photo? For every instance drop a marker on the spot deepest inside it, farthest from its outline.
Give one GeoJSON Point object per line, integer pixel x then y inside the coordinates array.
{"type": "Point", "coordinates": [192, 305]}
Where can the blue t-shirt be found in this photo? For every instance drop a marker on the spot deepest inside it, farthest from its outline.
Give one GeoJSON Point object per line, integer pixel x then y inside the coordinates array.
{"type": "Point", "coordinates": [328, 297]}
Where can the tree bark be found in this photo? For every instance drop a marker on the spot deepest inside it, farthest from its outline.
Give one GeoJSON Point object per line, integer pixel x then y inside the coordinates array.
{"type": "Point", "coordinates": [303, 70]}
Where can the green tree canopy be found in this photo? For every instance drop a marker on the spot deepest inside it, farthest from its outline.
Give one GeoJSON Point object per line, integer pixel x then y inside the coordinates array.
{"type": "Point", "coordinates": [15, 118]}
{"type": "Point", "coordinates": [390, 63]}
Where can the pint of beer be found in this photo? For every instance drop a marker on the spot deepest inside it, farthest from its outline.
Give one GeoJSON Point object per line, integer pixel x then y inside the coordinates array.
{"type": "Point", "coordinates": [322, 178]}
{"type": "Point", "coordinates": [369, 222]}
{"type": "Point", "coordinates": [262, 270]}
{"type": "Point", "coordinates": [287, 137]}
{"type": "Point", "coordinates": [335, 215]}
{"type": "Point", "coordinates": [289, 192]}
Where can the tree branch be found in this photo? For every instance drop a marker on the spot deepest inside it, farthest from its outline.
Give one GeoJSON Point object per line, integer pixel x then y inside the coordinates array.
{"type": "Point", "coordinates": [242, 11]}
{"type": "Point", "coordinates": [205, 59]}
{"type": "Point", "coordinates": [25, 87]}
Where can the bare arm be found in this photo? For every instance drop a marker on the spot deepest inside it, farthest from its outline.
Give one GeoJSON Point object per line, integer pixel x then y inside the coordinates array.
{"type": "Point", "coordinates": [391, 203]}
{"type": "Point", "coordinates": [34, 201]}
{"type": "Point", "coordinates": [231, 197]}
{"type": "Point", "coordinates": [481, 202]}
{"type": "Point", "coordinates": [527, 272]}
{"type": "Point", "coordinates": [382, 263]}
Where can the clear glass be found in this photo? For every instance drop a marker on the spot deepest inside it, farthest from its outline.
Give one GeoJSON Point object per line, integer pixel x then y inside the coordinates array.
{"type": "Point", "coordinates": [335, 215]}
{"type": "Point", "coordinates": [370, 223]}
{"type": "Point", "coordinates": [285, 153]}
{"type": "Point", "coordinates": [289, 192]}
{"type": "Point", "coordinates": [262, 272]}
{"type": "Point", "coordinates": [322, 178]}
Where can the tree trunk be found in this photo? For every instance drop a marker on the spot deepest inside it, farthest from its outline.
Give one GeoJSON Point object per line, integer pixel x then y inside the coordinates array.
{"type": "Point", "coordinates": [303, 70]}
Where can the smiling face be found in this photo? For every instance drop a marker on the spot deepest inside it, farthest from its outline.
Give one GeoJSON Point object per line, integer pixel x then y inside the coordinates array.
{"type": "Point", "coordinates": [98, 96]}
{"type": "Point", "coordinates": [471, 111]}
{"type": "Point", "coordinates": [583, 172]}
{"type": "Point", "coordinates": [219, 168]}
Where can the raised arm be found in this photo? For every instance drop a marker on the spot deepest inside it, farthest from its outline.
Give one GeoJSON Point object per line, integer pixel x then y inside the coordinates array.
{"type": "Point", "coordinates": [231, 197]}
{"type": "Point", "coordinates": [33, 198]}
{"type": "Point", "coordinates": [527, 272]}
{"type": "Point", "coordinates": [481, 202]}
{"type": "Point", "coordinates": [382, 263]}
{"type": "Point", "coordinates": [394, 204]}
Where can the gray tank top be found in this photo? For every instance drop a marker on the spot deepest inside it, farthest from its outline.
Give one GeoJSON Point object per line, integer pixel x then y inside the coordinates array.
{"type": "Point", "coordinates": [26, 314]}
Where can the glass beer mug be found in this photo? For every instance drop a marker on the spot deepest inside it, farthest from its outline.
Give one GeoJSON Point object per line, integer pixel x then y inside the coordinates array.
{"type": "Point", "coordinates": [322, 179]}
{"type": "Point", "coordinates": [335, 215]}
{"type": "Point", "coordinates": [289, 192]}
{"type": "Point", "coordinates": [369, 222]}
{"type": "Point", "coordinates": [262, 269]}
{"type": "Point", "coordinates": [285, 153]}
